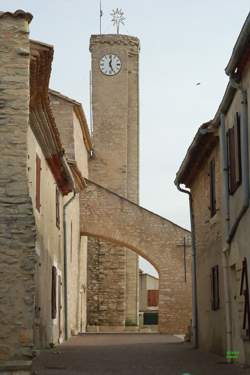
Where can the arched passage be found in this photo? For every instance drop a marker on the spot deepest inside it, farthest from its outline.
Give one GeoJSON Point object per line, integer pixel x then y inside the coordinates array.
{"type": "Point", "coordinates": [106, 215]}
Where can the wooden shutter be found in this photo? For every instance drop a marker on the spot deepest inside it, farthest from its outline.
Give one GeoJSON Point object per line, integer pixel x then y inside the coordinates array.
{"type": "Point", "coordinates": [53, 292]}
{"type": "Point", "coordinates": [212, 188]}
{"type": "Point", "coordinates": [215, 290]}
{"type": "Point", "coordinates": [237, 132]}
{"type": "Point", "coordinates": [234, 155]}
{"type": "Point", "coordinates": [57, 208]}
{"type": "Point", "coordinates": [38, 183]}
{"type": "Point", "coordinates": [244, 291]}
{"type": "Point", "coordinates": [153, 297]}
{"type": "Point", "coordinates": [231, 160]}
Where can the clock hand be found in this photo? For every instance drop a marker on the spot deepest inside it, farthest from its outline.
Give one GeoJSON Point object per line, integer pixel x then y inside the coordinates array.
{"type": "Point", "coordinates": [110, 64]}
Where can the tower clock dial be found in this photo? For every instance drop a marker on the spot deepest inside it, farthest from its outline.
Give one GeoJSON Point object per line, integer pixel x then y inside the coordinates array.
{"type": "Point", "coordinates": [110, 64]}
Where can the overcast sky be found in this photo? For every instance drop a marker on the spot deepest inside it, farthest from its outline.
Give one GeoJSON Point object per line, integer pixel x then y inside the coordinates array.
{"type": "Point", "coordinates": [182, 43]}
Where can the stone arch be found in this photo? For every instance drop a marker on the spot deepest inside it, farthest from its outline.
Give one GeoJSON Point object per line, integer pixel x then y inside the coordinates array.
{"type": "Point", "coordinates": [108, 216]}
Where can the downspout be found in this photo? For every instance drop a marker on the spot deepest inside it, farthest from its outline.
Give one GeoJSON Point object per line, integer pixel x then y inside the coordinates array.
{"type": "Point", "coordinates": [245, 160]}
{"type": "Point", "coordinates": [226, 246]}
{"type": "Point", "coordinates": [65, 266]}
{"type": "Point", "coordinates": [194, 276]}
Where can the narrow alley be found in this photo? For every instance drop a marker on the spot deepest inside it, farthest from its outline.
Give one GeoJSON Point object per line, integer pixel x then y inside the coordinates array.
{"type": "Point", "coordinates": [137, 354]}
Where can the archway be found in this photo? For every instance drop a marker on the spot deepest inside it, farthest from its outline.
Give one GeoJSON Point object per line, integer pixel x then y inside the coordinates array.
{"type": "Point", "coordinates": [106, 215]}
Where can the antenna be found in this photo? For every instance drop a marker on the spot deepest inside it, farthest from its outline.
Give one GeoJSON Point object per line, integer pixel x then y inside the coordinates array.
{"type": "Point", "coordinates": [117, 18]}
{"type": "Point", "coordinates": [101, 14]}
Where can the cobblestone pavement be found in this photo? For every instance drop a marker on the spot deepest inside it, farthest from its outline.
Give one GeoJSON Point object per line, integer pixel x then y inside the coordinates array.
{"type": "Point", "coordinates": [135, 354]}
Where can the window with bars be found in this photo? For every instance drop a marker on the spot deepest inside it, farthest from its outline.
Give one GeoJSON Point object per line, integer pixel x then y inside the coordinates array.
{"type": "Point", "coordinates": [38, 183]}
{"type": "Point", "coordinates": [211, 174]}
{"type": "Point", "coordinates": [234, 155]}
{"type": "Point", "coordinates": [215, 290]}
{"type": "Point", "coordinates": [57, 208]}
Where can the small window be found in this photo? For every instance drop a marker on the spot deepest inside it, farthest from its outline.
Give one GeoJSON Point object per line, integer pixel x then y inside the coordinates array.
{"type": "Point", "coordinates": [212, 206]}
{"type": "Point", "coordinates": [215, 295]}
{"type": "Point", "coordinates": [234, 155]}
{"type": "Point", "coordinates": [38, 183]}
{"type": "Point", "coordinates": [153, 297]}
{"type": "Point", "coordinates": [57, 208]}
{"type": "Point", "coordinates": [53, 292]}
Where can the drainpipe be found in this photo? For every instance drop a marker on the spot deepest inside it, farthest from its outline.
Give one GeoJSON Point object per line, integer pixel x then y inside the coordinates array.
{"type": "Point", "coordinates": [65, 266]}
{"type": "Point", "coordinates": [226, 246]}
{"type": "Point", "coordinates": [194, 278]}
{"type": "Point", "coordinates": [245, 159]}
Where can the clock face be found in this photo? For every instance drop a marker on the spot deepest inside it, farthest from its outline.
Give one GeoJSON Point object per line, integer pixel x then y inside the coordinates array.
{"type": "Point", "coordinates": [110, 64]}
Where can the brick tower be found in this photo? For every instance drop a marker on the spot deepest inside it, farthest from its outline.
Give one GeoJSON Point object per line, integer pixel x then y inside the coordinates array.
{"type": "Point", "coordinates": [113, 270]}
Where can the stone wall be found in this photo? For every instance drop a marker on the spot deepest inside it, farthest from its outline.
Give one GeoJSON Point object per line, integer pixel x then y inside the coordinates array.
{"type": "Point", "coordinates": [211, 324]}
{"type": "Point", "coordinates": [115, 104]}
{"type": "Point", "coordinates": [17, 224]}
{"type": "Point", "coordinates": [110, 217]}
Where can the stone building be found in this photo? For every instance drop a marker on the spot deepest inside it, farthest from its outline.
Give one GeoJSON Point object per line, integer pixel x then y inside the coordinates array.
{"type": "Point", "coordinates": [43, 258]}
{"type": "Point", "coordinates": [113, 299]}
{"type": "Point", "coordinates": [216, 170]}
{"type": "Point", "coordinates": [48, 206]}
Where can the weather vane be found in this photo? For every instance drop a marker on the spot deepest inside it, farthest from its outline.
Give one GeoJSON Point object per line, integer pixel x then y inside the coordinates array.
{"type": "Point", "coordinates": [117, 18]}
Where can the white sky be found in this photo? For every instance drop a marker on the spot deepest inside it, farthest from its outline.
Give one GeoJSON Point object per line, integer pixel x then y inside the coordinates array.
{"type": "Point", "coordinates": [182, 43]}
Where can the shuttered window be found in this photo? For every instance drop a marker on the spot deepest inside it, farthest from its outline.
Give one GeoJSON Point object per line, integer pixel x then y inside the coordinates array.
{"type": "Point", "coordinates": [234, 155]}
{"type": "Point", "coordinates": [38, 183]}
{"type": "Point", "coordinates": [215, 295]}
{"type": "Point", "coordinates": [57, 208]}
{"type": "Point", "coordinates": [153, 297]}
{"type": "Point", "coordinates": [244, 291]}
{"type": "Point", "coordinates": [212, 206]}
{"type": "Point", "coordinates": [53, 292]}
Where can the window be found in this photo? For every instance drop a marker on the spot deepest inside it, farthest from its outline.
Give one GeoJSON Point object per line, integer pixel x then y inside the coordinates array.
{"type": "Point", "coordinates": [212, 206]}
{"type": "Point", "coordinates": [244, 291]}
{"type": "Point", "coordinates": [215, 300]}
{"type": "Point", "coordinates": [57, 208]}
{"type": "Point", "coordinates": [53, 292]}
{"type": "Point", "coordinates": [234, 155]}
{"type": "Point", "coordinates": [38, 183]}
{"type": "Point", "coordinates": [153, 297]}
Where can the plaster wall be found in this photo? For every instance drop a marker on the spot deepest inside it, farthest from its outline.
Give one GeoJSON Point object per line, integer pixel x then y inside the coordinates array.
{"type": "Point", "coordinates": [239, 245]}
{"type": "Point", "coordinates": [211, 323]}
{"type": "Point", "coordinates": [49, 247]}
{"type": "Point", "coordinates": [76, 269]}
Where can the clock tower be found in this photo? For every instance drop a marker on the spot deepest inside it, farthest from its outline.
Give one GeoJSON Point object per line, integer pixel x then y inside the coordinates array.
{"type": "Point", "coordinates": [112, 270]}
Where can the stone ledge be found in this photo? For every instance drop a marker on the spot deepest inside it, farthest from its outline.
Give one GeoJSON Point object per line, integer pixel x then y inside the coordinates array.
{"type": "Point", "coordinates": [15, 367]}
